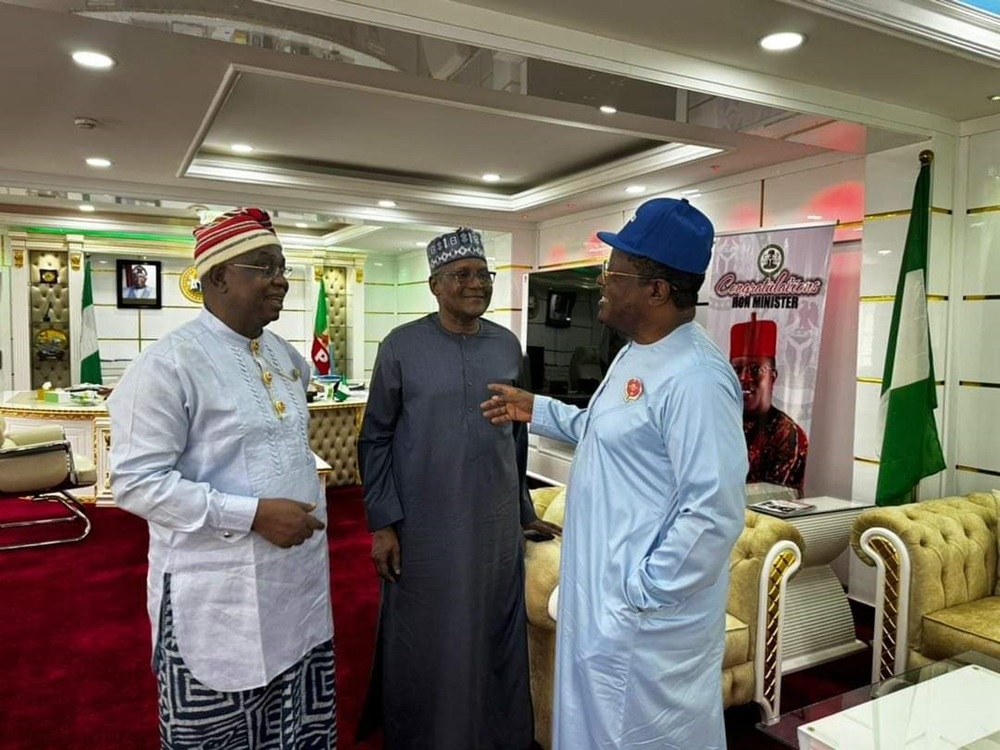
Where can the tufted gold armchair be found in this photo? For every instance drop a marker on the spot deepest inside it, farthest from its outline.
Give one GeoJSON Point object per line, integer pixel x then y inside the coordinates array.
{"type": "Point", "coordinates": [936, 593]}
{"type": "Point", "coordinates": [38, 463]}
{"type": "Point", "coordinates": [765, 556]}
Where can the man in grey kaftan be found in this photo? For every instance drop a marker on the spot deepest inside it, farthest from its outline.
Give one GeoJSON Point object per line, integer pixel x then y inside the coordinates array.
{"type": "Point", "coordinates": [446, 490]}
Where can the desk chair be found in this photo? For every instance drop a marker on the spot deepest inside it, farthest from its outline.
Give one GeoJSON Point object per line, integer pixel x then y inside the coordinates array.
{"type": "Point", "coordinates": [38, 463]}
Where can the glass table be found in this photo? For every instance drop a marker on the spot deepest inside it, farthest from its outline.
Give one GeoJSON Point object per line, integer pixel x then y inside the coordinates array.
{"type": "Point", "coordinates": [947, 705]}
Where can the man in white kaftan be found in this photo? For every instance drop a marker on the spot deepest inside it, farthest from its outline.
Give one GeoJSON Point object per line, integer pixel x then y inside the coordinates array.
{"type": "Point", "coordinates": [210, 445]}
{"type": "Point", "coordinates": [655, 502]}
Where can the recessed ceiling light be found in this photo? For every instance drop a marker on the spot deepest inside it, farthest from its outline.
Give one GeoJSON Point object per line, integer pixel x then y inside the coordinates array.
{"type": "Point", "coordinates": [814, 217]}
{"type": "Point", "coordinates": [635, 189]}
{"type": "Point", "coordinates": [301, 224]}
{"type": "Point", "coordinates": [491, 177]}
{"type": "Point", "coordinates": [782, 41]}
{"type": "Point", "coordinates": [87, 208]}
{"type": "Point", "coordinates": [241, 148]}
{"type": "Point", "coordinates": [387, 204]}
{"type": "Point", "coordinates": [99, 162]}
{"type": "Point", "coordinates": [93, 60]}
{"type": "Point", "coordinates": [608, 109]}
{"type": "Point", "coordinates": [994, 97]}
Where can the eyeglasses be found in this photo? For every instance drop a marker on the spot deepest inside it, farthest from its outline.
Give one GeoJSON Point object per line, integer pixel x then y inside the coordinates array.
{"type": "Point", "coordinates": [605, 272]}
{"type": "Point", "coordinates": [465, 276]}
{"type": "Point", "coordinates": [754, 370]}
{"type": "Point", "coordinates": [268, 271]}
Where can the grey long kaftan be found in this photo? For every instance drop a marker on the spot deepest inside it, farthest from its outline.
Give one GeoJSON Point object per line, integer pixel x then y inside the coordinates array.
{"type": "Point", "coordinates": [451, 664]}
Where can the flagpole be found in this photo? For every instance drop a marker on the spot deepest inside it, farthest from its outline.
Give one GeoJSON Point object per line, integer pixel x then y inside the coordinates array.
{"type": "Point", "coordinates": [911, 449]}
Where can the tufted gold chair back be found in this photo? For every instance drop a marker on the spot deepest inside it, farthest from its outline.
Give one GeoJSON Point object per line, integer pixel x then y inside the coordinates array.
{"type": "Point", "coordinates": [946, 558]}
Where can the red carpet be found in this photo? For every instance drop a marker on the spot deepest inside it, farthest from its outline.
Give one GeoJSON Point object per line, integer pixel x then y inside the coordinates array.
{"type": "Point", "coordinates": [75, 639]}
{"type": "Point", "coordinates": [75, 642]}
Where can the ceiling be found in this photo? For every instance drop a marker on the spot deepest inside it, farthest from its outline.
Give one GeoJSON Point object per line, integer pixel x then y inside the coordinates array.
{"type": "Point", "coordinates": [365, 102]}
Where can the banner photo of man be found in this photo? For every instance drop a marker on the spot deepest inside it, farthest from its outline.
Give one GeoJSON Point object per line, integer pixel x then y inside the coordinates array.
{"type": "Point", "coordinates": [766, 306]}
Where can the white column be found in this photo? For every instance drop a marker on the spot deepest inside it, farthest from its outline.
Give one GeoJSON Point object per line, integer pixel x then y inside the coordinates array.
{"type": "Point", "coordinates": [20, 306]}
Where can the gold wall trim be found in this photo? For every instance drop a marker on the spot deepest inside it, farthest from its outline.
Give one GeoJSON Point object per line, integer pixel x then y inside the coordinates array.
{"type": "Point", "coordinates": [983, 210]}
{"type": "Point", "coordinates": [892, 298]}
{"type": "Point", "coordinates": [573, 264]}
{"type": "Point", "coordinates": [850, 225]}
{"type": "Point", "coordinates": [978, 384]}
{"type": "Point", "coordinates": [874, 381]}
{"type": "Point", "coordinates": [375, 312]}
{"type": "Point", "coordinates": [514, 267]}
{"type": "Point", "coordinates": [505, 309]}
{"type": "Point", "coordinates": [421, 282]}
{"type": "Point", "coordinates": [977, 470]}
{"type": "Point", "coordinates": [380, 283]}
{"type": "Point", "coordinates": [904, 212]}
{"type": "Point", "coordinates": [980, 297]}
{"type": "Point", "coordinates": [863, 460]}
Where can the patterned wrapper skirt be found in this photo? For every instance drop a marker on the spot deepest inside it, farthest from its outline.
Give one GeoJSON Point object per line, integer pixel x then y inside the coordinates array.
{"type": "Point", "coordinates": [295, 711]}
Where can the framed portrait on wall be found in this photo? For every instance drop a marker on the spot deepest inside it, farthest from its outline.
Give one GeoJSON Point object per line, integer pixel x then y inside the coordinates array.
{"type": "Point", "coordinates": [138, 284]}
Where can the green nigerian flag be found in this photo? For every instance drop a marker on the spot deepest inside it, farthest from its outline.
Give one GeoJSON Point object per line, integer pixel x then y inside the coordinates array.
{"type": "Point", "coordinates": [90, 357]}
{"type": "Point", "coordinates": [910, 446]}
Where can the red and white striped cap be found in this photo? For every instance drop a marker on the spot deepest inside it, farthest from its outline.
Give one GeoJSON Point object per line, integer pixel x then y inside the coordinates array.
{"type": "Point", "coordinates": [233, 233]}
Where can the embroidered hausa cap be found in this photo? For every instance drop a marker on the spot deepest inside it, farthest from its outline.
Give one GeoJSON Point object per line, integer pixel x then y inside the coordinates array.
{"type": "Point", "coordinates": [233, 233]}
{"type": "Point", "coordinates": [754, 338]}
{"type": "Point", "coordinates": [669, 231]}
{"type": "Point", "coordinates": [458, 245]}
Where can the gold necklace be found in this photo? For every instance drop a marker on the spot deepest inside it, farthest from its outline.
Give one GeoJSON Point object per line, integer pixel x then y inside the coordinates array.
{"type": "Point", "coordinates": [267, 378]}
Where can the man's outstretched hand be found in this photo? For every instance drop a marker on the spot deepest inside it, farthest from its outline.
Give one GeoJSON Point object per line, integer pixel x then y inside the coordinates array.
{"type": "Point", "coordinates": [508, 404]}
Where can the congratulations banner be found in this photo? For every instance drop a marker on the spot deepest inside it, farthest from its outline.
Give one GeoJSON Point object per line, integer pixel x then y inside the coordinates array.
{"type": "Point", "coordinates": [766, 305]}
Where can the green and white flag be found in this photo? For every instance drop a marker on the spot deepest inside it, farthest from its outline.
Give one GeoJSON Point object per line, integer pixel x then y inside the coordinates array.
{"type": "Point", "coordinates": [90, 357]}
{"type": "Point", "coordinates": [910, 446]}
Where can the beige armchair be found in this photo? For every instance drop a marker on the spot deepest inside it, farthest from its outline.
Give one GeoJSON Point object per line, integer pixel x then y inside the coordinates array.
{"type": "Point", "coordinates": [936, 565]}
{"type": "Point", "coordinates": [39, 464]}
{"type": "Point", "coordinates": [765, 556]}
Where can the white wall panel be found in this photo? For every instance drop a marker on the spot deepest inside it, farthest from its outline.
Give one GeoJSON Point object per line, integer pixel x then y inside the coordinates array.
{"type": "Point", "coordinates": [890, 176]}
{"type": "Point", "coordinates": [980, 320]}
{"type": "Point", "coordinates": [380, 269]}
{"type": "Point", "coordinates": [113, 323]}
{"type": "Point", "coordinates": [377, 326]}
{"type": "Point", "coordinates": [157, 323]}
{"type": "Point", "coordinates": [867, 437]}
{"type": "Point", "coordinates": [984, 170]}
{"type": "Point", "coordinates": [415, 299]}
{"type": "Point", "coordinates": [119, 350]}
{"type": "Point", "coordinates": [371, 350]}
{"type": "Point", "coordinates": [885, 240]}
{"type": "Point", "coordinates": [732, 209]}
{"type": "Point", "coordinates": [972, 481]}
{"type": "Point", "coordinates": [978, 414]}
{"type": "Point", "coordinates": [865, 481]}
{"type": "Point", "coordinates": [573, 241]}
{"type": "Point", "coordinates": [982, 253]}
{"type": "Point", "coordinates": [827, 194]}
{"type": "Point", "coordinates": [380, 298]}
{"type": "Point", "coordinates": [874, 319]}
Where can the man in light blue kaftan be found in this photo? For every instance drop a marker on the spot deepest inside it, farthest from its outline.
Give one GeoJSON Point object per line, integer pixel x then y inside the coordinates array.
{"type": "Point", "coordinates": [209, 443]}
{"type": "Point", "coordinates": [655, 502]}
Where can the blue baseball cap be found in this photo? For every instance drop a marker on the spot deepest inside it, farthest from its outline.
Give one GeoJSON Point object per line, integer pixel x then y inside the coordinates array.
{"type": "Point", "coordinates": [669, 231]}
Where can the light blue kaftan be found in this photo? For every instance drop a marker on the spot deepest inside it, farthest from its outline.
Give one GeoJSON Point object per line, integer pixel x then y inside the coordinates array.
{"type": "Point", "coordinates": [655, 503]}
